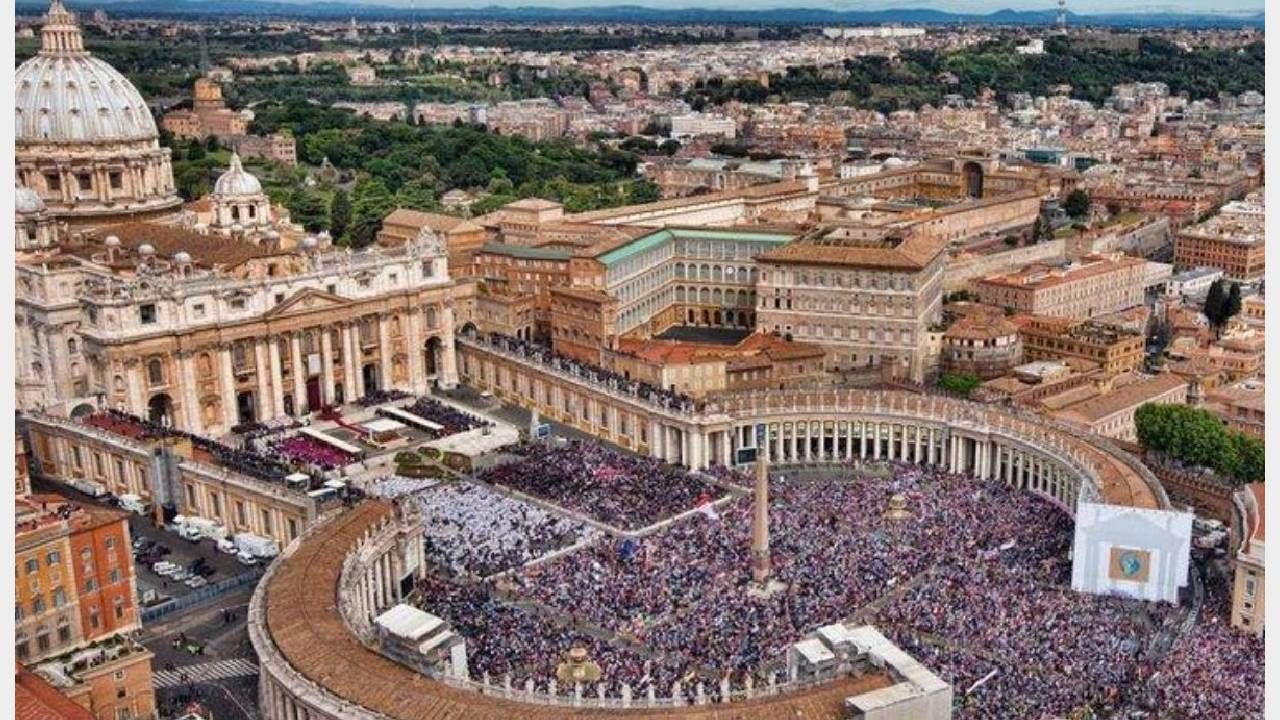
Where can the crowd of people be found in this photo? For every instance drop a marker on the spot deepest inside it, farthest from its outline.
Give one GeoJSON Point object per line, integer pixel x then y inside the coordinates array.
{"type": "Point", "coordinates": [621, 490]}
{"type": "Point", "coordinates": [472, 531]}
{"type": "Point", "coordinates": [382, 397]}
{"type": "Point", "coordinates": [451, 419]}
{"type": "Point", "coordinates": [662, 397]}
{"type": "Point", "coordinates": [1213, 672]}
{"type": "Point", "coordinates": [973, 583]}
{"type": "Point", "coordinates": [245, 461]}
{"type": "Point", "coordinates": [312, 453]}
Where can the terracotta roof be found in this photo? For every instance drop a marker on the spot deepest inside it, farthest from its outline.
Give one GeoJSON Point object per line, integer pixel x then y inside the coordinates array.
{"type": "Point", "coordinates": [913, 253]}
{"type": "Point", "coordinates": [205, 250]}
{"type": "Point", "coordinates": [980, 327]}
{"type": "Point", "coordinates": [438, 222]}
{"type": "Point", "coordinates": [36, 699]}
{"type": "Point", "coordinates": [1131, 395]}
{"type": "Point", "coordinates": [302, 620]}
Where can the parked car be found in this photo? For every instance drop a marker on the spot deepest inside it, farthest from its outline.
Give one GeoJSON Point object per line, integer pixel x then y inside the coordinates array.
{"type": "Point", "coordinates": [196, 582]}
{"type": "Point", "coordinates": [180, 574]}
{"type": "Point", "coordinates": [163, 567]}
{"type": "Point", "coordinates": [228, 547]}
{"type": "Point", "coordinates": [246, 559]}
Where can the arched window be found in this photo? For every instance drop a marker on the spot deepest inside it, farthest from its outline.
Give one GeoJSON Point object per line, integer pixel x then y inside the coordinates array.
{"type": "Point", "coordinates": [71, 346]}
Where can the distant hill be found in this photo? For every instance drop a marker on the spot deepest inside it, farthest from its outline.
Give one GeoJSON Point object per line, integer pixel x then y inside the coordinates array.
{"type": "Point", "coordinates": [639, 14]}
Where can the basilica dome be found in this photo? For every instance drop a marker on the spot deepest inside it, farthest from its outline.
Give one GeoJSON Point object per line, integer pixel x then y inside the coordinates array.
{"type": "Point", "coordinates": [86, 142]}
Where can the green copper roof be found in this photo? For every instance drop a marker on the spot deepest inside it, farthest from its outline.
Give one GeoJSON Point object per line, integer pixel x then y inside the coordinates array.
{"type": "Point", "coordinates": [655, 239]}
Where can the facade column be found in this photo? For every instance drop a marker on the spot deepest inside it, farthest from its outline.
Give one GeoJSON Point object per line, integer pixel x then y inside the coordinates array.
{"type": "Point", "coordinates": [875, 440]}
{"type": "Point", "coordinates": [133, 384]}
{"type": "Point", "coordinates": [300, 403]}
{"type": "Point", "coordinates": [326, 365]}
{"type": "Point", "coordinates": [862, 440]}
{"type": "Point", "coordinates": [349, 362]}
{"type": "Point", "coordinates": [228, 382]}
{"type": "Point", "coordinates": [190, 403]}
{"type": "Point", "coordinates": [447, 370]}
{"type": "Point", "coordinates": [277, 376]}
{"type": "Point", "coordinates": [415, 345]}
{"type": "Point", "coordinates": [263, 405]}
{"type": "Point", "coordinates": [384, 349]}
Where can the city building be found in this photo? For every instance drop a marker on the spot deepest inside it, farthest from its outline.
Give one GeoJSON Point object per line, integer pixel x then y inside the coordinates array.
{"type": "Point", "coordinates": [1231, 241]}
{"type": "Point", "coordinates": [985, 345]}
{"type": "Point", "coordinates": [699, 125]}
{"type": "Point", "coordinates": [90, 158]}
{"type": "Point", "coordinates": [1096, 285]}
{"type": "Point", "coordinates": [1110, 413]}
{"type": "Point", "coordinates": [1053, 338]}
{"type": "Point", "coordinates": [208, 116]}
{"type": "Point", "coordinates": [1248, 606]}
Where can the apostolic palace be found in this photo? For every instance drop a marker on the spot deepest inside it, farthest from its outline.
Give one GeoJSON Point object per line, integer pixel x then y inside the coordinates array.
{"type": "Point", "coordinates": [218, 369]}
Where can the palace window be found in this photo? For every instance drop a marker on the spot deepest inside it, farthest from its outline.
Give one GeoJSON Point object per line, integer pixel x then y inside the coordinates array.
{"type": "Point", "coordinates": [147, 313]}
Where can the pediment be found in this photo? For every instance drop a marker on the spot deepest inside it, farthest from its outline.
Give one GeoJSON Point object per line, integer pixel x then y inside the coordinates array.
{"type": "Point", "coordinates": [306, 301]}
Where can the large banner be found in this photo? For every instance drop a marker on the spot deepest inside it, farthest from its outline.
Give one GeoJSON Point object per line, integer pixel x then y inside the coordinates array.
{"type": "Point", "coordinates": [1134, 552]}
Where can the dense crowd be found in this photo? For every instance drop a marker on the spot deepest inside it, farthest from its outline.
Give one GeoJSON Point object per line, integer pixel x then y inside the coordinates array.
{"type": "Point", "coordinates": [972, 583]}
{"type": "Point", "coordinates": [242, 460]}
{"type": "Point", "coordinates": [621, 490]}
{"type": "Point", "coordinates": [1213, 672]}
{"type": "Point", "coordinates": [472, 531]}
{"type": "Point", "coordinates": [313, 453]}
{"type": "Point", "coordinates": [451, 419]}
{"type": "Point", "coordinates": [382, 397]}
{"type": "Point", "coordinates": [595, 374]}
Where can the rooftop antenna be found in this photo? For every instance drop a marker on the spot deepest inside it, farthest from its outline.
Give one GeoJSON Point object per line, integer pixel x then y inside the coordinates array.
{"type": "Point", "coordinates": [1062, 16]}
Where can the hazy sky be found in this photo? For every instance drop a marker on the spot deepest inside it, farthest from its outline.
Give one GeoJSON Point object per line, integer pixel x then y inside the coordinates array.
{"type": "Point", "coordinates": [977, 6]}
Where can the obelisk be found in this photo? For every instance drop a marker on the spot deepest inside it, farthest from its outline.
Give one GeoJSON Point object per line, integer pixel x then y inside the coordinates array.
{"type": "Point", "coordinates": [760, 522]}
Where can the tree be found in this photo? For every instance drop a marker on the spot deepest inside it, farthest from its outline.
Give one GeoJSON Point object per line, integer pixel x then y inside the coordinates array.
{"type": "Point", "coordinates": [1198, 438]}
{"type": "Point", "coordinates": [370, 203]}
{"type": "Point", "coordinates": [339, 213]}
{"type": "Point", "coordinates": [1231, 307]}
{"type": "Point", "coordinates": [417, 195]}
{"type": "Point", "coordinates": [959, 383]}
{"type": "Point", "coordinates": [1077, 204]}
{"type": "Point", "coordinates": [307, 208]}
{"type": "Point", "coordinates": [1215, 304]}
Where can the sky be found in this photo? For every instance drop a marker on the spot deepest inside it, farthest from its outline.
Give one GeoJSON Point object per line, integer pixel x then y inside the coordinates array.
{"type": "Point", "coordinates": [963, 6]}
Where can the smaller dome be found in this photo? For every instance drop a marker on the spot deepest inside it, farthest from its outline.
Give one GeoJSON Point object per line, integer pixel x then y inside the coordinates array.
{"type": "Point", "coordinates": [236, 181]}
{"type": "Point", "coordinates": [324, 236]}
{"type": "Point", "coordinates": [892, 162]}
{"type": "Point", "coordinates": [309, 242]}
{"type": "Point", "coordinates": [112, 241]}
{"type": "Point", "coordinates": [237, 228]}
{"type": "Point", "coordinates": [182, 257]}
{"type": "Point", "coordinates": [146, 250]}
{"type": "Point", "coordinates": [272, 235]}
{"type": "Point", "coordinates": [27, 201]}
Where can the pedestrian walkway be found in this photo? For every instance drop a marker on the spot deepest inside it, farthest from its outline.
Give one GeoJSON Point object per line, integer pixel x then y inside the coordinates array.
{"type": "Point", "coordinates": [204, 672]}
